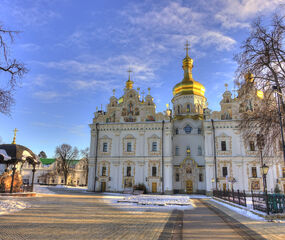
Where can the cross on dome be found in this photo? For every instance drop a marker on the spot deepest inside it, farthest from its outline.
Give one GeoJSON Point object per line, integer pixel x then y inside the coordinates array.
{"type": "Point", "coordinates": [187, 47]}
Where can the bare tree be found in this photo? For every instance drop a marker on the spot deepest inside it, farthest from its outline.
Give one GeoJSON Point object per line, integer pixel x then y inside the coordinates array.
{"type": "Point", "coordinates": [65, 156]}
{"type": "Point", "coordinates": [262, 61]}
{"type": "Point", "coordinates": [85, 157]}
{"type": "Point", "coordinates": [42, 154]}
{"type": "Point", "coordinates": [11, 68]}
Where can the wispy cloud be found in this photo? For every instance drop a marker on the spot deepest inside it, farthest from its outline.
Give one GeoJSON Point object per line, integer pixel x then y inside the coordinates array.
{"type": "Point", "coordinates": [238, 14]}
{"type": "Point", "coordinates": [49, 95]}
{"type": "Point", "coordinates": [32, 14]}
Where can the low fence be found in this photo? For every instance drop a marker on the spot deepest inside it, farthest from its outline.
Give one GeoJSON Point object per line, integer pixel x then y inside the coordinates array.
{"type": "Point", "coordinates": [231, 196]}
{"type": "Point", "coordinates": [268, 203]}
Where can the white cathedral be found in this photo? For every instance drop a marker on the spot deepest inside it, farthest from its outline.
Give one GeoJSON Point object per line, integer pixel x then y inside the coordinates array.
{"type": "Point", "coordinates": [185, 150]}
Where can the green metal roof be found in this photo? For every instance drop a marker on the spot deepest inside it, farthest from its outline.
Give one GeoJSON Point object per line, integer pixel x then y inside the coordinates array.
{"type": "Point", "coordinates": [48, 161]}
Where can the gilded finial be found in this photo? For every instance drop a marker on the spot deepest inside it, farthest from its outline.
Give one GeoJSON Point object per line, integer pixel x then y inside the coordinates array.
{"type": "Point", "coordinates": [15, 132]}
{"type": "Point", "coordinates": [129, 83]}
{"type": "Point", "coordinates": [148, 91]}
{"type": "Point", "coordinates": [187, 45]}
{"type": "Point", "coordinates": [129, 71]}
{"type": "Point", "coordinates": [226, 85]}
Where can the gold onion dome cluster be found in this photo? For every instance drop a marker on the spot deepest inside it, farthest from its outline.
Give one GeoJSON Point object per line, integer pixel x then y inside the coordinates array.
{"type": "Point", "coordinates": [188, 84]}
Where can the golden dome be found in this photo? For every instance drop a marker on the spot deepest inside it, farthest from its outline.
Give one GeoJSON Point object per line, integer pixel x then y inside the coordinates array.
{"type": "Point", "coordinates": [188, 84]}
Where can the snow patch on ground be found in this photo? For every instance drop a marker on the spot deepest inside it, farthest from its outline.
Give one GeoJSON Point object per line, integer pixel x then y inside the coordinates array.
{"type": "Point", "coordinates": [241, 210]}
{"type": "Point", "coordinates": [42, 189]}
{"type": "Point", "coordinates": [8, 206]}
{"type": "Point", "coordinates": [149, 202]}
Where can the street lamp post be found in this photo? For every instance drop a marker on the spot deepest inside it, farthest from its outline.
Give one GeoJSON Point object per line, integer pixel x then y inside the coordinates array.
{"type": "Point", "coordinates": [260, 144]}
{"type": "Point", "coordinates": [264, 170]}
{"type": "Point", "coordinates": [279, 94]}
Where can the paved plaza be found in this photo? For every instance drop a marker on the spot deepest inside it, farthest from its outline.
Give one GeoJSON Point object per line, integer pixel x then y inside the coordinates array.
{"type": "Point", "coordinates": [75, 215]}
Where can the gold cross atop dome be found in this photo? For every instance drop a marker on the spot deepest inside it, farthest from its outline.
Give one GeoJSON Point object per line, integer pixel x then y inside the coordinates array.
{"type": "Point", "coordinates": [129, 83]}
{"type": "Point", "coordinates": [187, 45]}
{"type": "Point", "coordinates": [15, 132]}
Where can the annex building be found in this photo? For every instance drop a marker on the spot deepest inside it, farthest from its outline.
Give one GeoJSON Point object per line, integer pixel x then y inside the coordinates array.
{"type": "Point", "coordinates": [187, 149]}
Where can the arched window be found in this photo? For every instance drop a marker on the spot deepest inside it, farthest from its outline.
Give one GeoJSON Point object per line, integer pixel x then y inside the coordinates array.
{"type": "Point", "coordinates": [178, 109]}
{"type": "Point", "coordinates": [188, 108]}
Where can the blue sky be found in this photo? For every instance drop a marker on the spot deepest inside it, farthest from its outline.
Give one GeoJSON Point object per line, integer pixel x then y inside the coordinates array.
{"type": "Point", "coordinates": [78, 51]}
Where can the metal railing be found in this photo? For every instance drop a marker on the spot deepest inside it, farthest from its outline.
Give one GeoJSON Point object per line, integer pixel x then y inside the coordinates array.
{"type": "Point", "coordinates": [268, 203]}
{"type": "Point", "coordinates": [231, 196]}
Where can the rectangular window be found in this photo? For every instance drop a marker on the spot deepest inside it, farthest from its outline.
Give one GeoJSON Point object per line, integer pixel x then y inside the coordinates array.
{"type": "Point", "coordinates": [199, 151]}
{"type": "Point", "coordinates": [200, 177]}
{"type": "Point", "coordinates": [177, 177]}
{"type": "Point", "coordinates": [225, 171]}
{"type": "Point", "coordinates": [177, 151]}
{"type": "Point", "coordinates": [283, 172]}
{"type": "Point", "coordinates": [253, 172]}
{"type": "Point", "coordinates": [199, 130]}
{"type": "Point", "coordinates": [154, 147]}
{"type": "Point", "coordinates": [104, 171]}
{"type": "Point", "coordinates": [154, 171]}
{"type": "Point", "coordinates": [223, 146]}
{"type": "Point", "coordinates": [129, 147]}
{"type": "Point", "coordinates": [129, 171]}
{"type": "Point", "coordinates": [176, 131]}
{"type": "Point", "coordinates": [105, 147]}
{"type": "Point", "coordinates": [251, 146]}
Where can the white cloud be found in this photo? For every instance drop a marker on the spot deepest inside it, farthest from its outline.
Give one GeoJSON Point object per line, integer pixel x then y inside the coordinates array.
{"type": "Point", "coordinates": [238, 13]}
{"type": "Point", "coordinates": [175, 23]}
{"type": "Point", "coordinates": [217, 39]}
{"type": "Point", "coordinates": [49, 95]}
{"type": "Point", "coordinates": [35, 13]}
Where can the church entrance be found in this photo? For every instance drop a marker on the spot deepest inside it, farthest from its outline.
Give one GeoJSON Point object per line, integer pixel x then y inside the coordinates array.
{"type": "Point", "coordinates": [154, 187]}
{"type": "Point", "coordinates": [103, 186]}
{"type": "Point", "coordinates": [189, 187]}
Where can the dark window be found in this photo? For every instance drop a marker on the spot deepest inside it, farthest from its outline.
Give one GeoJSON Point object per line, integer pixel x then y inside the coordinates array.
{"type": "Point", "coordinates": [38, 180]}
{"type": "Point", "coordinates": [154, 147]}
{"type": "Point", "coordinates": [176, 131]}
{"type": "Point", "coordinates": [199, 130]}
{"type": "Point", "coordinates": [53, 181]}
{"type": "Point", "coordinates": [154, 171]}
{"type": "Point", "coordinates": [177, 177]}
{"type": "Point", "coordinates": [199, 150]}
{"type": "Point", "coordinates": [177, 151]}
{"type": "Point", "coordinates": [129, 171]}
{"type": "Point", "coordinates": [178, 109]}
{"type": "Point", "coordinates": [223, 145]}
{"type": "Point", "coordinates": [188, 108]}
{"type": "Point", "coordinates": [104, 171]}
{"type": "Point", "coordinates": [129, 147]}
{"type": "Point", "coordinates": [105, 147]}
{"type": "Point", "coordinates": [225, 171]}
{"type": "Point", "coordinates": [62, 181]}
{"type": "Point", "coordinates": [251, 146]}
{"type": "Point", "coordinates": [283, 172]}
{"type": "Point", "coordinates": [200, 177]}
{"type": "Point", "coordinates": [187, 129]}
{"type": "Point", "coordinates": [253, 172]}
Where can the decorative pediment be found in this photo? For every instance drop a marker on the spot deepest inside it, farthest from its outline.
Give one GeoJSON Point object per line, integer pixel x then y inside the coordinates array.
{"type": "Point", "coordinates": [129, 136]}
